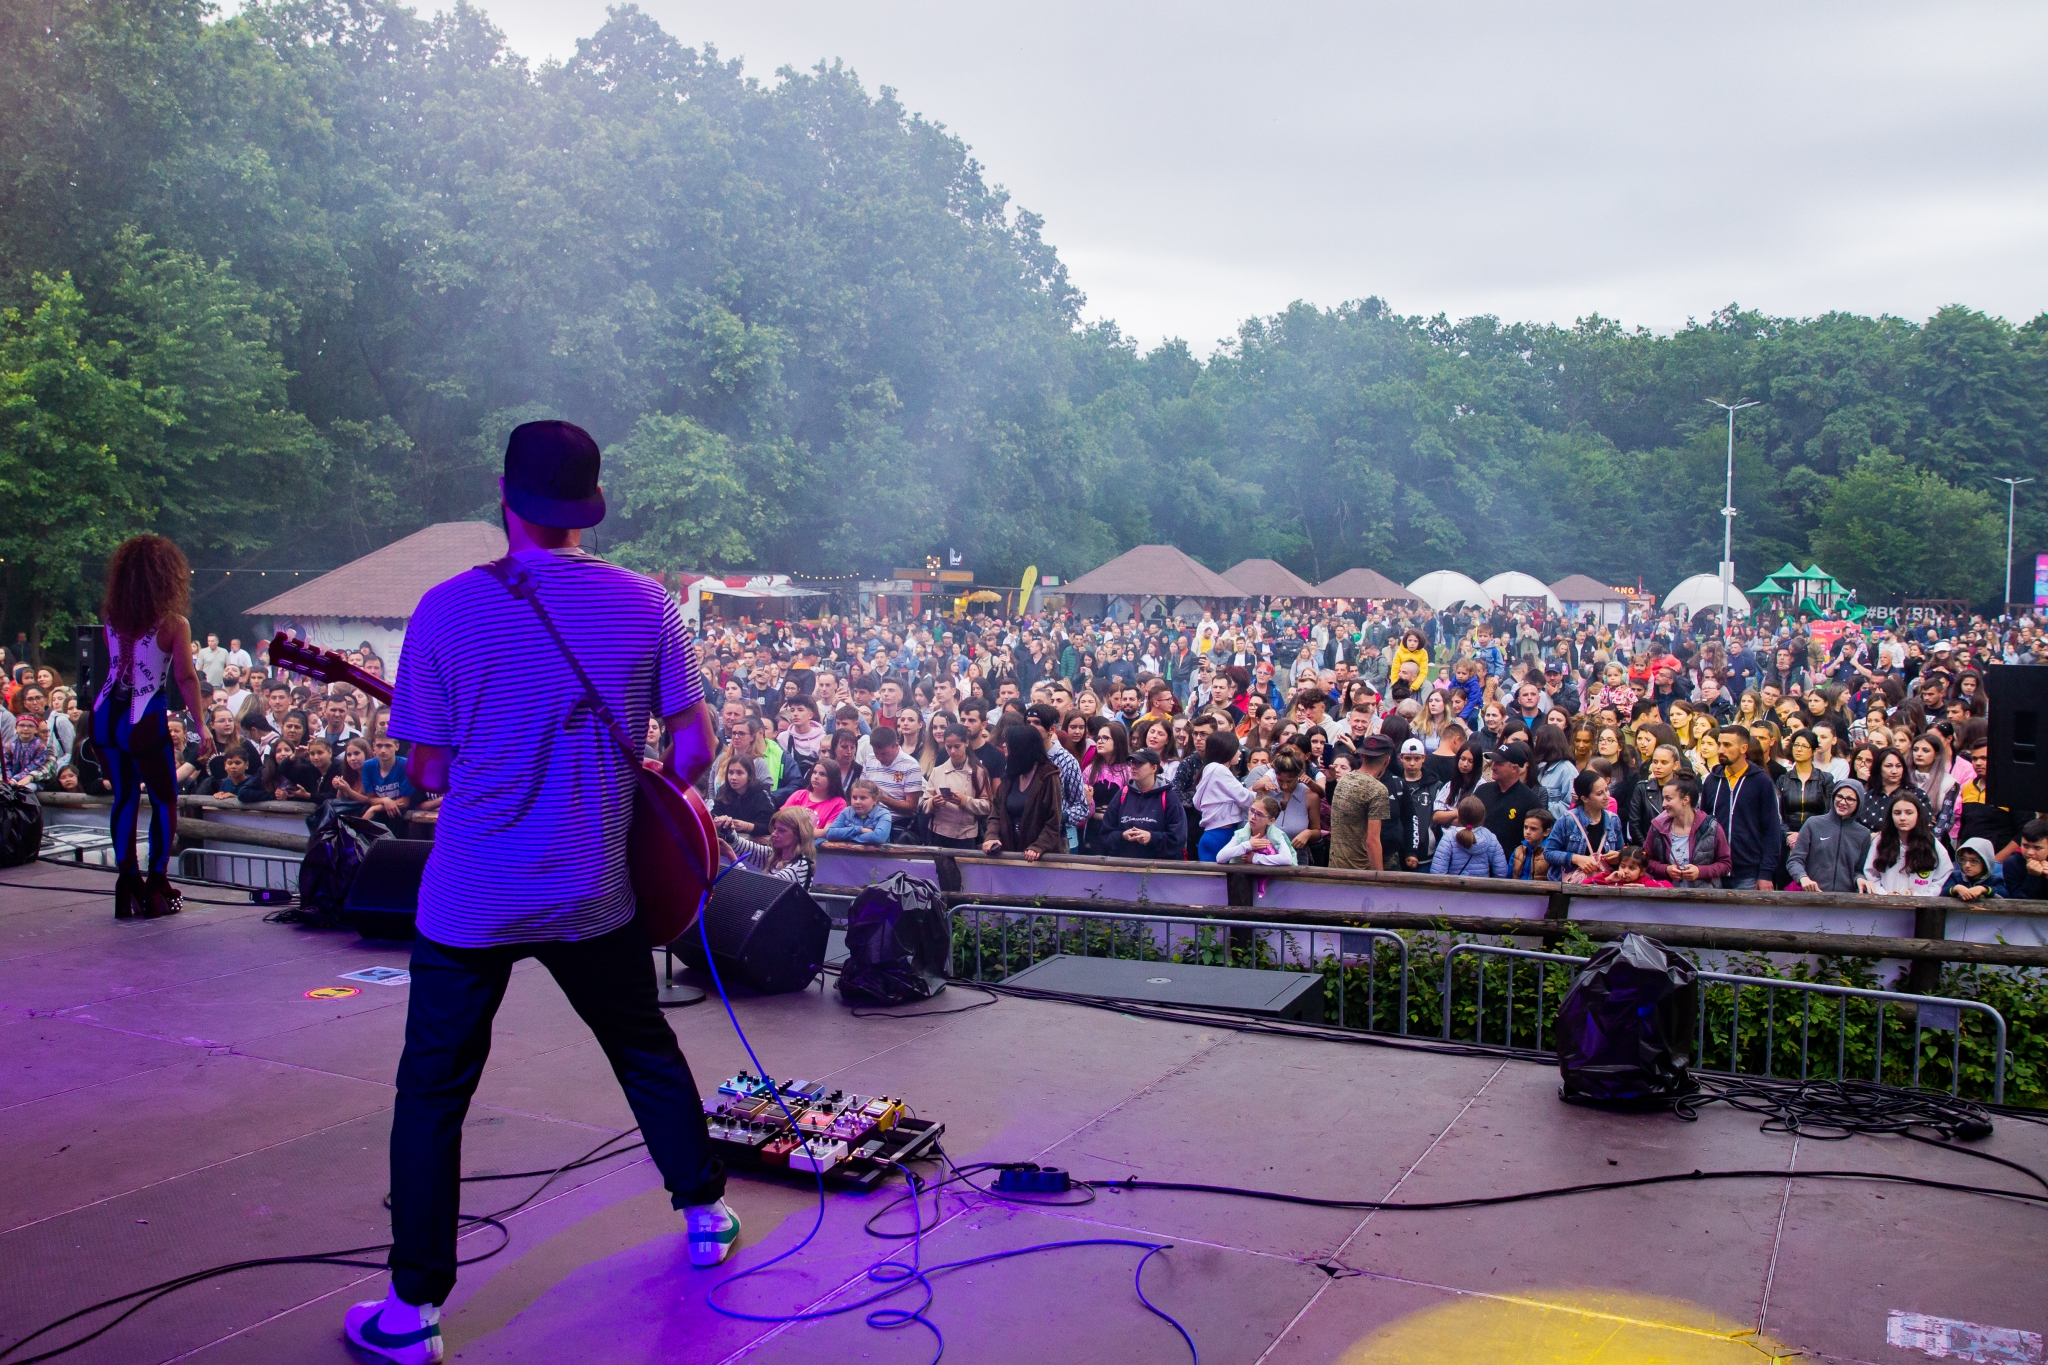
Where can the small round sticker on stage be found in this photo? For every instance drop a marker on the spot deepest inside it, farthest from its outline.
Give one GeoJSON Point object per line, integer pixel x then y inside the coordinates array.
{"type": "Point", "coordinates": [332, 992]}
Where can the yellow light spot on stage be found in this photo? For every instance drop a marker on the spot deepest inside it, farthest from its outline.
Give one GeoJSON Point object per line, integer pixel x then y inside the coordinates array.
{"type": "Point", "coordinates": [1566, 1327]}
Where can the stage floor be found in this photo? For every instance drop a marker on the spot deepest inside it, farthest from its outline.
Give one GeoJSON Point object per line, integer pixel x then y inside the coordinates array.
{"type": "Point", "coordinates": [172, 1099]}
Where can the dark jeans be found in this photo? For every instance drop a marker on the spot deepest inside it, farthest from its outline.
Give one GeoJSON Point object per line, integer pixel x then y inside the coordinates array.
{"type": "Point", "coordinates": [455, 994]}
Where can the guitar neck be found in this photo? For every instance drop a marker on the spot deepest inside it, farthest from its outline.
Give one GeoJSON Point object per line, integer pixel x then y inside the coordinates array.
{"type": "Point", "coordinates": [363, 682]}
{"type": "Point", "coordinates": [326, 666]}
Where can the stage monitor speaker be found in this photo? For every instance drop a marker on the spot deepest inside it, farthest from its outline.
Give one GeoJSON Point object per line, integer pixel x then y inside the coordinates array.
{"type": "Point", "coordinates": [2018, 694]}
{"type": "Point", "coordinates": [766, 934]}
{"type": "Point", "coordinates": [385, 899]}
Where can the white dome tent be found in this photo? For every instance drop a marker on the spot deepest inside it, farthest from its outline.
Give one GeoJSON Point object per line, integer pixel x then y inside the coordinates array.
{"type": "Point", "coordinates": [1447, 587]}
{"type": "Point", "coordinates": [1702, 592]}
{"type": "Point", "coordinates": [1511, 584]}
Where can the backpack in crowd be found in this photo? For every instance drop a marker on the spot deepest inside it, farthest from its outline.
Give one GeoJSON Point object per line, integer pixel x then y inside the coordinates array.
{"type": "Point", "coordinates": [899, 943]}
{"type": "Point", "coordinates": [1625, 1029]}
{"type": "Point", "coordinates": [21, 825]}
{"type": "Point", "coordinates": [334, 855]}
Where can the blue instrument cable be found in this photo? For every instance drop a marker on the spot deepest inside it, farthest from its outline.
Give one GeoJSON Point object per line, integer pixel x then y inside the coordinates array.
{"type": "Point", "coordinates": [892, 1274]}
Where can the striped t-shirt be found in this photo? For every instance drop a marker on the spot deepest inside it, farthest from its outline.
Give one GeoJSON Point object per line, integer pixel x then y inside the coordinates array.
{"type": "Point", "coordinates": [531, 840]}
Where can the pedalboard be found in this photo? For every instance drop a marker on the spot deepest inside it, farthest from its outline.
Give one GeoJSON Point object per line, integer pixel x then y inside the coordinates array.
{"type": "Point", "coordinates": [850, 1140]}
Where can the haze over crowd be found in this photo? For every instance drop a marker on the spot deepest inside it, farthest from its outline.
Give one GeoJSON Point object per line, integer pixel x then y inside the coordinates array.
{"type": "Point", "coordinates": [302, 268]}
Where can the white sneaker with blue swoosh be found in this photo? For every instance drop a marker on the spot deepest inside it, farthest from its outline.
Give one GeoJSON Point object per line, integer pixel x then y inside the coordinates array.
{"type": "Point", "coordinates": [714, 1232]}
{"type": "Point", "coordinates": [396, 1330]}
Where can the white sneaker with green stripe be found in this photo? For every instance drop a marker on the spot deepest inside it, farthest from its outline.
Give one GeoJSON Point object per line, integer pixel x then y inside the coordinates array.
{"type": "Point", "coordinates": [396, 1330]}
{"type": "Point", "coordinates": [714, 1232]}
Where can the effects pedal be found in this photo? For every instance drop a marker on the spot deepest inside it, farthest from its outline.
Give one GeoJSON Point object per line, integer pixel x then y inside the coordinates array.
{"type": "Point", "coordinates": [807, 1128]}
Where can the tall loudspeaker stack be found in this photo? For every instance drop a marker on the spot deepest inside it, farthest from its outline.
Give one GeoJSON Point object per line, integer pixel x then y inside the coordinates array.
{"type": "Point", "coordinates": [2018, 693]}
{"type": "Point", "coordinates": [766, 934]}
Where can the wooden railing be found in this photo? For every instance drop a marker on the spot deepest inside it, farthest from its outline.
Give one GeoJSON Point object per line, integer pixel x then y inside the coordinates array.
{"type": "Point", "coordinates": [2004, 933]}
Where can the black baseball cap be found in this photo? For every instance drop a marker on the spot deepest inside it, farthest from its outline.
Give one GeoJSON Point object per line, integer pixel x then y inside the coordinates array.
{"type": "Point", "coordinates": [1376, 746]}
{"type": "Point", "coordinates": [1512, 752]}
{"type": "Point", "coordinates": [551, 475]}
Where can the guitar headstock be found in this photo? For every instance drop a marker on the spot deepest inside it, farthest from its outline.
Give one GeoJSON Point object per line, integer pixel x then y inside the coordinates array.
{"type": "Point", "coordinates": [324, 665]}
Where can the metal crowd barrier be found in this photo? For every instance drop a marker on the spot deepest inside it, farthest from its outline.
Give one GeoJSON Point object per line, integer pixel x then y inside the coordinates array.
{"type": "Point", "coordinates": [1929, 1013]}
{"type": "Point", "coordinates": [269, 871]}
{"type": "Point", "coordinates": [1214, 942]}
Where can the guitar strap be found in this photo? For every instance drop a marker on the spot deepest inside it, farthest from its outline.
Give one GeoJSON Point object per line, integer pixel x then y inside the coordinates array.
{"type": "Point", "coordinates": [514, 578]}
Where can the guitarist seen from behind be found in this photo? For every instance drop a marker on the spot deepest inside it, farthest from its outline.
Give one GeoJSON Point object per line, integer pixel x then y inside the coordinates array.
{"type": "Point", "coordinates": [529, 858]}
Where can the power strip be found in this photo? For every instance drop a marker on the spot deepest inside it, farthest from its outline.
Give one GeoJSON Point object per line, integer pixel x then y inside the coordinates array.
{"type": "Point", "coordinates": [1031, 1179]}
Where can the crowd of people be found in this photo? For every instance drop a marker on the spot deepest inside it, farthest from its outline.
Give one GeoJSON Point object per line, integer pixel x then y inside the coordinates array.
{"type": "Point", "coordinates": [267, 736]}
{"type": "Point", "coordinates": [1471, 742]}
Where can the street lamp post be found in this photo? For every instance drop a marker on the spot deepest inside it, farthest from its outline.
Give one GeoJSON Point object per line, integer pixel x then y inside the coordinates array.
{"type": "Point", "coordinates": [1728, 525]}
{"type": "Point", "coordinates": [2012, 491]}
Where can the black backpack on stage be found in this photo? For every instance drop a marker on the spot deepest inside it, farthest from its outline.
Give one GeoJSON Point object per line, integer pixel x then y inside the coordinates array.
{"type": "Point", "coordinates": [899, 943]}
{"type": "Point", "coordinates": [334, 855]}
{"type": "Point", "coordinates": [1625, 1030]}
{"type": "Point", "coordinates": [21, 825]}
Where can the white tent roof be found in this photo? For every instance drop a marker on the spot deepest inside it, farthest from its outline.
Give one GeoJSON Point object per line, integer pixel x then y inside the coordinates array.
{"type": "Point", "coordinates": [1513, 584]}
{"type": "Point", "coordinates": [1447, 586]}
{"type": "Point", "coordinates": [1703, 591]}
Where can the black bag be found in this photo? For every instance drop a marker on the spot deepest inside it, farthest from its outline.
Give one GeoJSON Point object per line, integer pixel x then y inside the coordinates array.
{"type": "Point", "coordinates": [21, 825]}
{"type": "Point", "coordinates": [334, 855]}
{"type": "Point", "coordinates": [899, 943]}
{"type": "Point", "coordinates": [1625, 1030]}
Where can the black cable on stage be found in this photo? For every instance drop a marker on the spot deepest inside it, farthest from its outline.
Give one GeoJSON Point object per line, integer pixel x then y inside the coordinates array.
{"type": "Point", "coordinates": [96, 891]}
{"type": "Point", "coordinates": [962, 1175]}
{"type": "Point", "coordinates": [993, 998]}
{"type": "Point", "coordinates": [1237, 1023]}
{"type": "Point", "coordinates": [1837, 1110]}
{"type": "Point", "coordinates": [1828, 1110]}
{"type": "Point", "coordinates": [1559, 1191]}
{"type": "Point", "coordinates": [150, 1294]}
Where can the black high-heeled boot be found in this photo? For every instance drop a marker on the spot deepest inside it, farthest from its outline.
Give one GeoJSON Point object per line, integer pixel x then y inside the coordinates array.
{"type": "Point", "coordinates": [130, 895]}
{"type": "Point", "coordinates": [164, 899]}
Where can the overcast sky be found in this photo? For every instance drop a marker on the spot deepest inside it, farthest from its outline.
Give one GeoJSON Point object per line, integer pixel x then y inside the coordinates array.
{"type": "Point", "coordinates": [1199, 163]}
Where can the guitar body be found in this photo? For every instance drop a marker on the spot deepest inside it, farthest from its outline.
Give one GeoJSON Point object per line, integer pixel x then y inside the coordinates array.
{"type": "Point", "coordinates": [669, 874]}
{"type": "Point", "coordinates": [671, 853]}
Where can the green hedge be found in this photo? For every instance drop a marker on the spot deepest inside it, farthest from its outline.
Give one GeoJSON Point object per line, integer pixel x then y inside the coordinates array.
{"type": "Point", "coordinates": [1768, 1038]}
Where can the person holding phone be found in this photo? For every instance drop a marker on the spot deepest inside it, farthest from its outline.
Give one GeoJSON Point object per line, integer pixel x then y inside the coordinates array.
{"type": "Point", "coordinates": [1686, 847]}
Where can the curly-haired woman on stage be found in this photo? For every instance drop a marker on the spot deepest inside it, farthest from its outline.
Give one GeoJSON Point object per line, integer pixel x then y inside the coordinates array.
{"type": "Point", "coordinates": [149, 590]}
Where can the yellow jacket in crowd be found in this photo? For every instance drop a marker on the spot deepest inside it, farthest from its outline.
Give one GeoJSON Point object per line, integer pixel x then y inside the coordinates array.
{"type": "Point", "coordinates": [1419, 657]}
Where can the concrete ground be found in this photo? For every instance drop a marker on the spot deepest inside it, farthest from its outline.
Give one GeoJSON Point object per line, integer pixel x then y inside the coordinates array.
{"type": "Point", "coordinates": [171, 1099]}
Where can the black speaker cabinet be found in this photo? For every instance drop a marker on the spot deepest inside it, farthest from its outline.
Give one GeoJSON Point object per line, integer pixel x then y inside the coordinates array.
{"type": "Point", "coordinates": [385, 899]}
{"type": "Point", "coordinates": [91, 644]}
{"type": "Point", "coordinates": [766, 934]}
{"type": "Point", "coordinates": [2018, 693]}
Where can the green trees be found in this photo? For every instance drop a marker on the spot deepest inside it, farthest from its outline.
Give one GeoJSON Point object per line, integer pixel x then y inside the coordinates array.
{"type": "Point", "coordinates": [166, 412]}
{"type": "Point", "coordinates": [69, 424]}
{"type": "Point", "coordinates": [1890, 528]}
{"type": "Point", "coordinates": [323, 254]}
